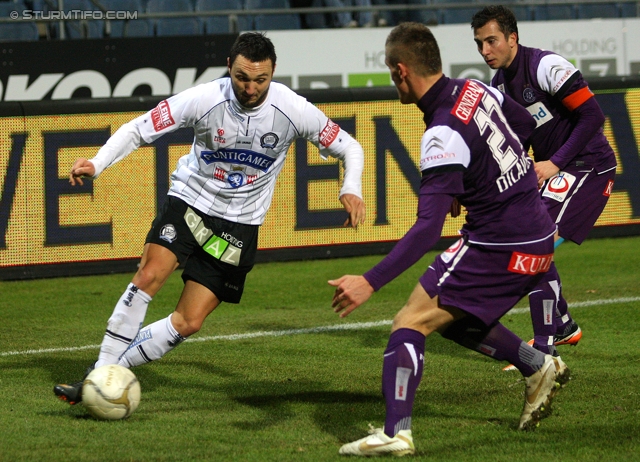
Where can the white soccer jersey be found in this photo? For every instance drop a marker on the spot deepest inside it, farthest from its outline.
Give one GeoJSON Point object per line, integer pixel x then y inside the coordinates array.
{"type": "Point", "coordinates": [237, 153]}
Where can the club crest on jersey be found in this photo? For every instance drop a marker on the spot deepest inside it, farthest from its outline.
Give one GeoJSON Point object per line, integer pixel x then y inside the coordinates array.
{"type": "Point", "coordinates": [235, 179]}
{"type": "Point", "coordinates": [161, 116]}
{"type": "Point", "coordinates": [558, 187]}
{"type": "Point", "coordinates": [528, 95]}
{"type": "Point", "coordinates": [168, 233]}
{"type": "Point", "coordinates": [269, 140]}
{"type": "Point", "coordinates": [468, 101]}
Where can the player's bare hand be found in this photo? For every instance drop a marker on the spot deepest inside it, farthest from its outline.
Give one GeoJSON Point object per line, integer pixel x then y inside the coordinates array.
{"type": "Point", "coordinates": [355, 208]}
{"type": "Point", "coordinates": [544, 170]}
{"type": "Point", "coordinates": [351, 292]}
{"type": "Point", "coordinates": [81, 168]}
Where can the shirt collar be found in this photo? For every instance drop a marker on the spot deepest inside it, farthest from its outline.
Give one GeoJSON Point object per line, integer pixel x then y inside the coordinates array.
{"type": "Point", "coordinates": [429, 102]}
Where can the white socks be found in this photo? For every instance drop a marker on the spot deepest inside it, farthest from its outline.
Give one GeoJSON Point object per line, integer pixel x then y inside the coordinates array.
{"type": "Point", "coordinates": [152, 343]}
{"type": "Point", "coordinates": [123, 325]}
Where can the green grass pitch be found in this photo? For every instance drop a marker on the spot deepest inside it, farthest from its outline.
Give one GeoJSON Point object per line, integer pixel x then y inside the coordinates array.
{"type": "Point", "coordinates": [276, 378]}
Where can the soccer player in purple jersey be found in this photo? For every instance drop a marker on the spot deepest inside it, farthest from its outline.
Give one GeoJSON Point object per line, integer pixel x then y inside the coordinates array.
{"type": "Point", "coordinates": [469, 153]}
{"type": "Point", "coordinates": [574, 162]}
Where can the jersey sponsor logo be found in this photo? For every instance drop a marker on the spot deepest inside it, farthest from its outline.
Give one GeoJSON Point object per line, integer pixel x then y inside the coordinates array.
{"type": "Point", "coordinates": [168, 233]}
{"type": "Point", "coordinates": [560, 75]}
{"type": "Point", "coordinates": [244, 141]}
{"type": "Point", "coordinates": [222, 250]}
{"type": "Point", "coordinates": [435, 157]}
{"type": "Point", "coordinates": [540, 113]}
{"type": "Point", "coordinates": [200, 232]}
{"type": "Point", "coordinates": [238, 156]}
{"type": "Point", "coordinates": [608, 189]}
{"type": "Point", "coordinates": [558, 187]}
{"type": "Point", "coordinates": [467, 102]}
{"type": "Point", "coordinates": [448, 254]}
{"type": "Point", "coordinates": [329, 133]}
{"type": "Point", "coordinates": [528, 95]}
{"type": "Point", "coordinates": [219, 138]}
{"type": "Point", "coordinates": [161, 116]}
{"type": "Point", "coordinates": [524, 263]}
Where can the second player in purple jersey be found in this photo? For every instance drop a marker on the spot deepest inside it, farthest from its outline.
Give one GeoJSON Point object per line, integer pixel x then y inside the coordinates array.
{"type": "Point", "coordinates": [469, 153]}
{"type": "Point", "coordinates": [575, 164]}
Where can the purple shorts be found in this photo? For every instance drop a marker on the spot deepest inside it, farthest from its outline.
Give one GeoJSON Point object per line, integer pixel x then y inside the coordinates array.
{"type": "Point", "coordinates": [575, 198]}
{"type": "Point", "coordinates": [487, 280]}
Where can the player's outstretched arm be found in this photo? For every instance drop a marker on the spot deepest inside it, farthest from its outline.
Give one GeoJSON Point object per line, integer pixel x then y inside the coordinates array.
{"type": "Point", "coordinates": [351, 292]}
{"type": "Point", "coordinates": [81, 168]}
{"type": "Point", "coordinates": [355, 208]}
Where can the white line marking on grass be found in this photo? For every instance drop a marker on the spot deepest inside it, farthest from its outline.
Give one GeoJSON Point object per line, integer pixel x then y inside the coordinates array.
{"type": "Point", "coordinates": [310, 330]}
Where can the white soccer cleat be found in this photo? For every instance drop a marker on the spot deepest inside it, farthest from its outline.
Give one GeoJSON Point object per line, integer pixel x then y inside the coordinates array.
{"type": "Point", "coordinates": [378, 444]}
{"type": "Point", "coordinates": [541, 388]}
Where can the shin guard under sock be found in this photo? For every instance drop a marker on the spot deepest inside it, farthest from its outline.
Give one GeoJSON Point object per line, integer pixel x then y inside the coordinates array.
{"type": "Point", "coordinates": [123, 325]}
{"type": "Point", "coordinates": [152, 342]}
{"type": "Point", "coordinates": [543, 304]}
{"type": "Point", "coordinates": [401, 374]}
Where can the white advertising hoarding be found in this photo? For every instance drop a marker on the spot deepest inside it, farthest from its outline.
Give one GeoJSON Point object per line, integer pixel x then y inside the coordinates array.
{"type": "Point", "coordinates": [328, 58]}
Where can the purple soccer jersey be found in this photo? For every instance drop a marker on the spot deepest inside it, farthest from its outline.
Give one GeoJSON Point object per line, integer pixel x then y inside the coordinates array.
{"type": "Point", "coordinates": [551, 89]}
{"type": "Point", "coordinates": [468, 135]}
{"type": "Point", "coordinates": [568, 133]}
{"type": "Point", "coordinates": [470, 152]}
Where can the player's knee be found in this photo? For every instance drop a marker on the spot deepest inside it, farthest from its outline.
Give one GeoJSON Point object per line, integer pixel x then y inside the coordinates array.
{"type": "Point", "coordinates": [186, 326]}
{"type": "Point", "coordinates": [147, 279]}
{"type": "Point", "coordinates": [463, 330]}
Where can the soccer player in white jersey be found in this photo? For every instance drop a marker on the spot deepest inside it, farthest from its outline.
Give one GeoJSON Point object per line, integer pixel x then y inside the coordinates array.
{"type": "Point", "coordinates": [219, 195]}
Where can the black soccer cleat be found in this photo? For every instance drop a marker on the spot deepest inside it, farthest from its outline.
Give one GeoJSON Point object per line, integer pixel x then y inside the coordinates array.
{"type": "Point", "coordinates": [71, 392]}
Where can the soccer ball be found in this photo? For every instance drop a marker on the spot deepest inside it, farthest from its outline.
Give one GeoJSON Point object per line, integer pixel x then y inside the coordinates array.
{"type": "Point", "coordinates": [111, 392]}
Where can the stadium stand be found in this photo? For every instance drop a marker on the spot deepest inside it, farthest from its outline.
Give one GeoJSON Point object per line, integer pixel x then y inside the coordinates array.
{"type": "Point", "coordinates": [21, 31]}
{"type": "Point", "coordinates": [273, 21]}
{"type": "Point", "coordinates": [174, 26]}
{"type": "Point", "coordinates": [598, 10]}
{"type": "Point", "coordinates": [440, 12]}
{"type": "Point", "coordinates": [554, 12]}
{"type": "Point", "coordinates": [116, 28]}
{"type": "Point", "coordinates": [138, 28]}
{"type": "Point", "coordinates": [221, 24]}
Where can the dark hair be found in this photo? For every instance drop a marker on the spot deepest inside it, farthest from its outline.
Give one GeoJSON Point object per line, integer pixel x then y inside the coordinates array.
{"type": "Point", "coordinates": [507, 22]}
{"type": "Point", "coordinates": [254, 46]}
{"type": "Point", "coordinates": [414, 44]}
